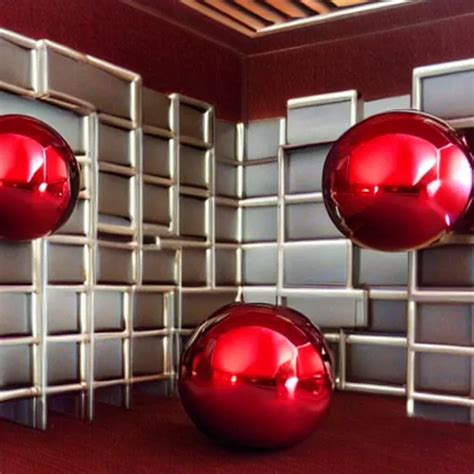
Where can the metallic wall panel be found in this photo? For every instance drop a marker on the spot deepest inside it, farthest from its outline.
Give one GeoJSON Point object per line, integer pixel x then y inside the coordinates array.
{"type": "Point", "coordinates": [68, 124]}
{"type": "Point", "coordinates": [443, 373]}
{"type": "Point", "coordinates": [63, 363]}
{"type": "Point", "coordinates": [445, 323]}
{"type": "Point", "coordinates": [159, 266]}
{"type": "Point", "coordinates": [449, 96]}
{"type": "Point", "coordinates": [114, 145]}
{"type": "Point", "coordinates": [108, 359]}
{"type": "Point", "coordinates": [258, 295]}
{"type": "Point", "coordinates": [316, 264]}
{"type": "Point", "coordinates": [148, 356]}
{"type": "Point", "coordinates": [380, 268]}
{"type": "Point", "coordinates": [148, 311]}
{"type": "Point", "coordinates": [156, 204]}
{"type": "Point", "coordinates": [77, 223]}
{"type": "Point", "coordinates": [16, 366]}
{"type": "Point", "coordinates": [226, 140]}
{"type": "Point", "coordinates": [191, 121]}
{"type": "Point", "coordinates": [87, 82]}
{"type": "Point", "coordinates": [21, 253]}
{"type": "Point", "coordinates": [309, 220]}
{"type": "Point", "coordinates": [328, 122]}
{"type": "Point", "coordinates": [436, 266]}
{"type": "Point", "coordinates": [368, 363]}
{"type": "Point", "coordinates": [259, 265]}
{"type": "Point", "coordinates": [374, 107]}
{"type": "Point", "coordinates": [66, 263]}
{"type": "Point", "coordinates": [114, 195]}
{"type": "Point", "coordinates": [440, 412]}
{"type": "Point", "coordinates": [63, 312]}
{"type": "Point", "coordinates": [226, 267]}
{"type": "Point", "coordinates": [16, 67]}
{"type": "Point", "coordinates": [329, 310]}
{"type": "Point", "coordinates": [260, 224]}
{"type": "Point", "coordinates": [226, 180]}
{"type": "Point", "coordinates": [193, 167]}
{"type": "Point", "coordinates": [226, 223]}
{"type": "Point", "coordinates": [194, 267]}
{"type": "Point", "coordinates": [108, 311]}
{"type": "Point", "coordinates": [261, 180]}
{"type": "Point", "coordinates": [262, 138]}
{"type": "Point", "coordinates": [156, 108]}
{"type": "Point", "coordinates": [156, 156]}
{"type": "Point", "coordinates": [304, 169]}
{"type": "Point", "coordinates": [15, 314]}
{"type": "Point", "coordinates": [114, 265]}
{"type": "Point", "coordinates": [196, 307]}
{"type": "Point", "coordinates": [388, 316]}
{"type": "Point", "coordinates": [192, 216]}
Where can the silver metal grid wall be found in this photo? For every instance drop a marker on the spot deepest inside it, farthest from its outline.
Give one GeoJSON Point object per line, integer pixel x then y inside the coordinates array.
{"type": "Point", "coordinates": [180, 213]}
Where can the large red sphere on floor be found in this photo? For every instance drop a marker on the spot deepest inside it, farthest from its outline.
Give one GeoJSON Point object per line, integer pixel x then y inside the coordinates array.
{"type": "Point", "coordinates": [39, 178]}
{"type": "Point", "coordinates": [255, 375]}
{"type": "Point", "coordinates": [398, 181]}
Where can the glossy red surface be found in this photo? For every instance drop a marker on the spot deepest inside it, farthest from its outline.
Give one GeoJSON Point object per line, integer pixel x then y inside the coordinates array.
{"type": "Point", "coordinates": [256, 375]}
{"type": "Point", "coordinates": [39, 178]}
{"type": "Point", "coordinates": [398, 181]}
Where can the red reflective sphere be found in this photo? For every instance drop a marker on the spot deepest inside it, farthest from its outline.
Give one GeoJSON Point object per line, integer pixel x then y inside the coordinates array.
{"type": "Point", "coordinates": [256, 375]}
{"type": "Point", "coordinates": [39, 178]}
{"type": "Point", "coordinates": [398, 181]}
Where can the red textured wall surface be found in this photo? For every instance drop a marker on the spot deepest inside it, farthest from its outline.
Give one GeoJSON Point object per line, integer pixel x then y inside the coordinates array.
{"type": "Point", "coordinates": [176, 49]}
{"type": "Point", "coordinates": [170, 57]}
{"type": "Point", "coordinates": [374, 53]}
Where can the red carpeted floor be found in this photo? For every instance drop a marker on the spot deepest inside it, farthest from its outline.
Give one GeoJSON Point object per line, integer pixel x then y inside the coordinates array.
{"type": "Point", "coordinates": [363, 434]}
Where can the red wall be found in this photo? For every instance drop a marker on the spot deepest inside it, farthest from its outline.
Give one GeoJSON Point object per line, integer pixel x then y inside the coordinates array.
{"type": "Point", "coordinates": [193, 58]}
{"type": "Point", "coordinates": [175, 49]}
{"type": "Point", "coordinates": [374, 53]}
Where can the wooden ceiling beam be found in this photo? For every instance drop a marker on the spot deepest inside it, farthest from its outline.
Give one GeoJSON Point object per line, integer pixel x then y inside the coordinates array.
{"type": "Point", "coordinates": [237, 13]}
{"type": "Point", "coordinates": [318, 7]}
{"type": "Point", "coordinates": [289, 8]}
{"type": "Point", "coordinates": [261, 10]}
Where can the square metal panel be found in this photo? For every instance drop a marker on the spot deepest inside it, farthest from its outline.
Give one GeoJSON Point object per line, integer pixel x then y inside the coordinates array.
{"type": "Point", "coordinates": [17, 65]}
{"type": "Point", "coordinates": [192, 216]}
{"type": "Point", "coordinates": [115, 265]}
{"type": "Point", "coordinates": [194, 166]}
{"type": "Point", "coordinates": [114, 195]}
{"type": "Point", "coordinates": [108, 359]}
{"type": "Point", "coordinates": [259, 265]}
{"type": "Point", "coordinates": [67, 263]}
{"type": "Point", "coordinates": [157, 156]}
{"type": "Point", "coordinates": [226, 140]}
{"type": "Point", "coordinates": [376, 268]}
{"type": "Point", "coordinates": [260, 223]}
{"type": "Point", "coordinates": [309, 221]}
{"type": "Point", "coordinates": [156, 204]}
{"type": "Point", "coordinates": [226, 180]}
{"type": "Point", "coordinates": [196, 307]}
{"type": "Point", "coordinates": [156, 109]}
{"type": "Point", "coordinates": [148, 356]}
{"type": "Point", "coordinates": [63, 363]}
{"type": "Point", "coordinates": [15, 314]}
{"type": "Point", "coordinates": [262, 139]}
{"type": "Point", "coordinates": [226, 267]}
{"type": "Point", "coordinates": [261, 180]}
{"type": "Point", "coordinates": [226, 223]}
{"type": "Point", "coordinates": [63, 312]}
{"type": "Point", "coordinates": [108, 311]}
{"type": "Point", "coordinates": [16, 369]}
{"type": "Point", "coordinates": [388, 316]}
{"type": "Point", "coordinates": [192, 121]}
{"type": "Point", "coordinates": [159, 267]}
{"type": "Point", "coordinates": [148, 310]}
{"type": "Point", "coordinates": [114, 145]}
{"type": "Point", "coordinates": [22, 254]}
{"type": "Point", "coordinates": [194, 264]}
{"type": "Point", "coordinates": [324, 263]}
{"type": "Point", "coordinates": [304, 169]}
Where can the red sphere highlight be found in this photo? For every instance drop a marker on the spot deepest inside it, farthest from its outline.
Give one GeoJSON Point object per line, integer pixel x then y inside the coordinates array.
{"type": "Point", "coordinates": [256, 375]}
{"type": "Point", "coordinates": [39, 179]}
{"type": "Point", "coordinates": [398, 181]}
